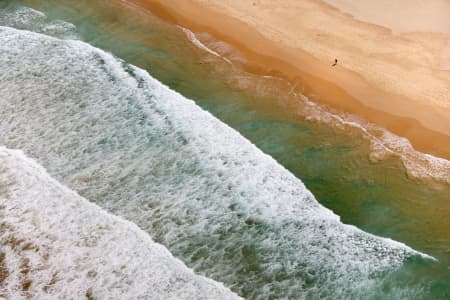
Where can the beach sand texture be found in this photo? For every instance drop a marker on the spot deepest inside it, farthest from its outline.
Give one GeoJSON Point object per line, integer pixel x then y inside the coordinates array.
{"type": "Point", "coordinates": [393, 56]}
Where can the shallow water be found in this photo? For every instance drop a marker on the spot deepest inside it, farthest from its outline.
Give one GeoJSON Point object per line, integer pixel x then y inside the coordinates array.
{"type": "Point", "coordinates": [334, 164]}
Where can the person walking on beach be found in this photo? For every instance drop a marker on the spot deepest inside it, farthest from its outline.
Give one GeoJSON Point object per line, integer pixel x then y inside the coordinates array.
{"type": "Point", "coordinates": [335, 62]}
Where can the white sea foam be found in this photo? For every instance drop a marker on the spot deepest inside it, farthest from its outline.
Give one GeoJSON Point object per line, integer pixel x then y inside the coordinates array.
{"type": "Point", "coordinates": [384, 143]}
{"type": "Point", "coordinates": [125, 141]}
{"type": "Point", "coordinates": [417, 164]}
{"type": "Point", "coordinates": [191, 36]}
{"type": "Point", "coordinates": [26, 18]}
{"type": "Point", "coordinates": [57, 245]}
{"type": "Point", "coordinates": [215, 47]}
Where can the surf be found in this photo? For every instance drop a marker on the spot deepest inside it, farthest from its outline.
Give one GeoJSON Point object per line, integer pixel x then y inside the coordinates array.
{"type": "Point", "coordinates": [57, 244]}
{"type": "Point", "coordinates": [125, 141]}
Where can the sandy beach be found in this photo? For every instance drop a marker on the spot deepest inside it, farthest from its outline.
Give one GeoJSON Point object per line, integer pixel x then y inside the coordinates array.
{"type": "Point", "coordinates": [393, 68]}
{"type": "Point", "coordinates": [193, 149]}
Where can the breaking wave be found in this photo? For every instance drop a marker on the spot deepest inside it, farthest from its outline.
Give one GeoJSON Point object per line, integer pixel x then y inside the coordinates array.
{"type": "Point", "coordinates": [57, 245]}
{"type": "Point", "coordinates": [383, 142]}
{"type": "Point", "coordinates": [123, 140]}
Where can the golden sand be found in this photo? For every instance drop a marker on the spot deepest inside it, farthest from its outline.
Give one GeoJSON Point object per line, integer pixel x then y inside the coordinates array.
{"type": "Point", "coordinates": [392, 71]}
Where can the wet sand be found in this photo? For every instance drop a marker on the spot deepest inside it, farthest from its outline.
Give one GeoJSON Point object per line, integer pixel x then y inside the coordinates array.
{"type": "Point", "coordinates": [396, 77]}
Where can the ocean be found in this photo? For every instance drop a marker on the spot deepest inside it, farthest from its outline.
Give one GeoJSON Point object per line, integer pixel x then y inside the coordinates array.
{"type": "Point", "coordinates": [220, 182]}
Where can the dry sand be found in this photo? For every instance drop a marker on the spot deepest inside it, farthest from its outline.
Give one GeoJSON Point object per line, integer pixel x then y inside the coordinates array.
{"type": "Point", "coordinates": [400, 15]}
{"type": "Point", "coordinates": [393, 55]}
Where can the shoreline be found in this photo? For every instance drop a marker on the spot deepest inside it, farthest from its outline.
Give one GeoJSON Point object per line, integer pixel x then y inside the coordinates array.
{"type": "Point", "coordinates": [426, 125]}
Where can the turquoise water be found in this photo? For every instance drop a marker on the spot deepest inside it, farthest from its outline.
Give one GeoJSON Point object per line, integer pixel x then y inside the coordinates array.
{"type": "Point", "coordinates": [334, 164]}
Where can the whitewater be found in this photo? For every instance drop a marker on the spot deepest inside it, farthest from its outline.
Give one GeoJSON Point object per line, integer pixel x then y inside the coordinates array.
{"type": "Point", "coordinates": [119, 138]}
{"type": "Point", "coordinates": [57, 245]}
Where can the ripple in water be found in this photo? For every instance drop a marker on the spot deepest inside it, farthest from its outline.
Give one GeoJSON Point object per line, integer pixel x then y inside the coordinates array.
{"type": "Point", "coordinates": [125, 141]}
